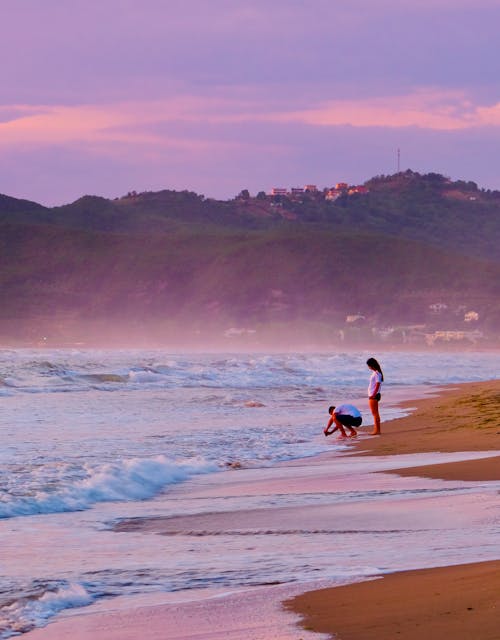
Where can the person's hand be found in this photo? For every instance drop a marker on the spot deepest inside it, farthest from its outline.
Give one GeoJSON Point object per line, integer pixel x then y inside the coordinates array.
{"type": "Point", "coordinates": [326, 432]}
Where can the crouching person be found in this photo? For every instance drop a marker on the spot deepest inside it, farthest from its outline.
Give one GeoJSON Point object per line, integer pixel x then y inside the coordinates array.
{"type": "Point", "coordinates": [345, 415]}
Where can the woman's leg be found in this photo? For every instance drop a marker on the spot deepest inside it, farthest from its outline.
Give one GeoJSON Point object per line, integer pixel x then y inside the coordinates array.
{"type": "Point", "coordinates": [373, 404]}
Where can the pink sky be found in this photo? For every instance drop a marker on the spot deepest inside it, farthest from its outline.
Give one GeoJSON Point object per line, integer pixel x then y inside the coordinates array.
{"type": "Point", "coordinates": [105, 97]}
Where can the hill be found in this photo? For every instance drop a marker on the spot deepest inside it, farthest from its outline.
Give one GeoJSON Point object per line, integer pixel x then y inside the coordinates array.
{"type": "Point", "coordinates": [410, 256]}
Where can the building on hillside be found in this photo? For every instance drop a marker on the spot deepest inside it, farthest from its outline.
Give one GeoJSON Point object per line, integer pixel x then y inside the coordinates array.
{"type": "Point", "coordinates": [406, 334]}
{"type": "Point", "coordinates": [359, 189]}
{"type": "Point", "coordinates": [471, 316]}
{"type": "Point", "coordinates": [453, 336]}
{"type": "Point", "coordinates": [356, 318]}
{"type": "Point", "coordinates": [333, 194]}
{"type": "Point", "coordinates": [233, 332]}
{"type": "Point", "coordinates": [438, 307]}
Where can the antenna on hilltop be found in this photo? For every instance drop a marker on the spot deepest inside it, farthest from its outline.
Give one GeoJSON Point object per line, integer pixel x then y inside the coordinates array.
{"type": "Point", "coordinates": [399, 160]}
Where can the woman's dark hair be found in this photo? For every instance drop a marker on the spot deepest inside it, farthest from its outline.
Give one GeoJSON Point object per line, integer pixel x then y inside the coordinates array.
{"type": "Point", "coordinates": [373, 364]}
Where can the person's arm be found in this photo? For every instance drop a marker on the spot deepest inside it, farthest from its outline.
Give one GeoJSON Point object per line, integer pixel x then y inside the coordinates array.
{"type": "Point", "coordinates": [325, 430]}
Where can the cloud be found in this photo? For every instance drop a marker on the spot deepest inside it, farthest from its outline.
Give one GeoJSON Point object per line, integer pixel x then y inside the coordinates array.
{"type": "Point", "coordinates": [170, 123]}
{"type": "Point", "coordinates": [426, 108]}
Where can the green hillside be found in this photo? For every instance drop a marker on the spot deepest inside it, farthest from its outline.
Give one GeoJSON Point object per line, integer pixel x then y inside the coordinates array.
{"type": "Point", "coordinates": [412, 251]}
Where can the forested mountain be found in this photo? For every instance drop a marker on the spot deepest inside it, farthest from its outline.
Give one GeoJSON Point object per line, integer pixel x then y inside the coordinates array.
{"type": "Point", "coordinates": [169, 266]}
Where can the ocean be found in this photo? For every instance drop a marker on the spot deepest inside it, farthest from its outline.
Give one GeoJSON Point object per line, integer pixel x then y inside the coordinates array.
{"type": "Point", "coordinates": [90, 438]}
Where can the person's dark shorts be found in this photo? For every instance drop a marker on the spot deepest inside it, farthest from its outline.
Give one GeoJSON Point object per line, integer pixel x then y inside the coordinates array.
{"type": "Point", "coordinates": [377, 397]}
{"type": "Point", "coordinates": [349, 421]}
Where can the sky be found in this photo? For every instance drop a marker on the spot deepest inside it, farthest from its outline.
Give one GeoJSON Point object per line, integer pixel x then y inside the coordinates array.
{"type": "Point", "coordinates": [101, 97]}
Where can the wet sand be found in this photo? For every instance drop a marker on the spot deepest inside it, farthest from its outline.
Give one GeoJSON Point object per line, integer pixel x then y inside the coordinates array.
{"type": "Point", "coordinates": [460, 603]}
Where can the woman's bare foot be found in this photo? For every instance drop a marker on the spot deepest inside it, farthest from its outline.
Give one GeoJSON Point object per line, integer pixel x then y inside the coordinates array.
{"type": "Point", "coordinates": [375, 433]}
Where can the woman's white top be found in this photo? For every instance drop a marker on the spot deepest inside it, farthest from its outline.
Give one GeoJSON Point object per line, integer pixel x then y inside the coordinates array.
{"type": "Point", "coordinates": [375, 379]}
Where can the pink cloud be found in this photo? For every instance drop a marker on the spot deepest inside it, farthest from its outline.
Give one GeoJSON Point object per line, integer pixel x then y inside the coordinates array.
{"type": "Point", "coordinates": [426, 108]}
{"type": "Point", "coordinates": [156, 124]}
{"type": "Point", "coordinates": [217, 144]}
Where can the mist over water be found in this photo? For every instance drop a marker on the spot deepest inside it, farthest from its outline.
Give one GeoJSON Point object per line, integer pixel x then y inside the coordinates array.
{"type": "Point", "coordinates": [89, 436]}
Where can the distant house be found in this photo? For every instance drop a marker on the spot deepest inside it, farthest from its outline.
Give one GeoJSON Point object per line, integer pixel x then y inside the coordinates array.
{"type": "Point", "coordinates": [358, 189]}
{"type": "Point", "coordinates": [471, 316]}
{"type": "Point", "coordinates": [333, 194]}
{"type": "Point", "coordinates": [453, 336]}
{"type": "Point", "coordinates": [236, 331]}
{"type": "Point", "coordinates": [355, 318]}
{"type": "Point", "coordinates": [438, 307]}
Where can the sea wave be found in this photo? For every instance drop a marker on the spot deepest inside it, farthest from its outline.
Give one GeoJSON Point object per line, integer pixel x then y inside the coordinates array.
{"type": "Point", "coordinates": [65, 370]}
{"type": "Point", "coordinates": [40, 604]}
{"type": "Point", "coordinates": [134, 479]}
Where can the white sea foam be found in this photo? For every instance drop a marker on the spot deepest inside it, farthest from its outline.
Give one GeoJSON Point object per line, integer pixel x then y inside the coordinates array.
{"type": "Point", "coordinates": [146, 376]}
{"type": "Point", "coordinates": [135, 479]}
{"type": "Point", "coordinates": [59, 369]}
{"type": "Point", "coordinates": [27, 613]}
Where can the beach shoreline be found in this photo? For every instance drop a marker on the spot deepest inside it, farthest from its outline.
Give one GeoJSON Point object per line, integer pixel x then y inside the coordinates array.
{"type": "Point", "coordinates": [462, 417]}
{"type": "Point", "coordinates": [438, 423]}
{"type": "Point", "coordinates": [460, 601]}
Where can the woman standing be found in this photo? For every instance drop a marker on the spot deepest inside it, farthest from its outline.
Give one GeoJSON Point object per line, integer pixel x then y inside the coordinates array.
{"type": "Point", "coordinates": [374, 396]}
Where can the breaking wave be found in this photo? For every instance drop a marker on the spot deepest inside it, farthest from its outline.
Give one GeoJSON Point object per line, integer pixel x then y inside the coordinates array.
{"type": "Point", "coordinates": [40, 604]}
{"type": "Point", "coordinates": [134, 479]}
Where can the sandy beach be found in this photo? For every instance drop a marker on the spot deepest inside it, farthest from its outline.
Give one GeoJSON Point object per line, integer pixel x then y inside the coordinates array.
{"type": "Point", "coordinates": [464, 417]}
{"type": "Point", "coordinates": [461, 601]}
